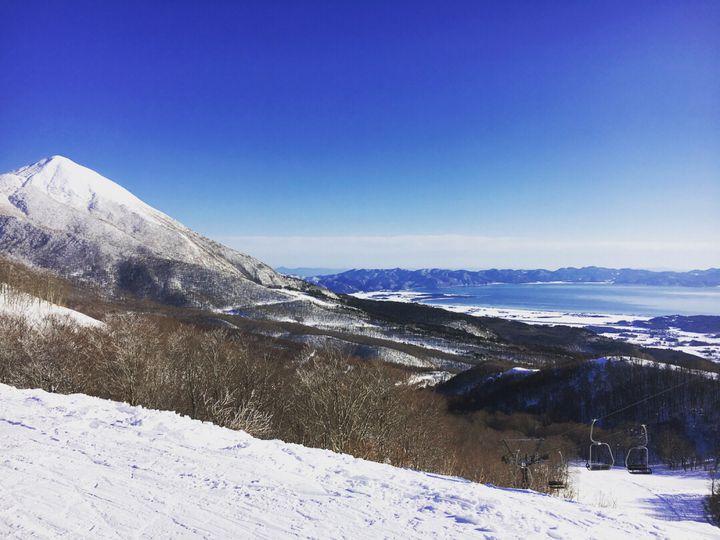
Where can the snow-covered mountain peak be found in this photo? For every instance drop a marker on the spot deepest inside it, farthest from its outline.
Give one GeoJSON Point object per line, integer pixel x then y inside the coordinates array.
{"type": "Point", "coordinates": [60, 215]}
{"type": "Point", "coordinates": [74, 185]}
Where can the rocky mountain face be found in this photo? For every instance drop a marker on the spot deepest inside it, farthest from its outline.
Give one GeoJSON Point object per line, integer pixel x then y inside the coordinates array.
{"type": "Point", "coordinates": [396, 279]}
{"type": "Point", "coordinates": [59, 215]}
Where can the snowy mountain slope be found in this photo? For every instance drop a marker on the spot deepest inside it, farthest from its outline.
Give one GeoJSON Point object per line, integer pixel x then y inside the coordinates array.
{"type": "Point", "coordinates": [36, 310]}
{"type": "Point", "coordinates": [60, 215]}
{"type": "Point", "coordinates": [89, 468]}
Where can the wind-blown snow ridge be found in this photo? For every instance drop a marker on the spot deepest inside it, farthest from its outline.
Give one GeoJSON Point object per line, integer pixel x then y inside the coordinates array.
{"type": "Point", "coordinates": [84, 467]}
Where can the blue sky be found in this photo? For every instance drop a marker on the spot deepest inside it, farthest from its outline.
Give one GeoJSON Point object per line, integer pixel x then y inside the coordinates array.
{"type": "Point", "coordinates": [446, 134]}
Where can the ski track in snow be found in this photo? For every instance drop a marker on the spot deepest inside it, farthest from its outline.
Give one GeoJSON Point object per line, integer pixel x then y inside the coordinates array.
{"type": "Point", "coordinates": [82, 467]}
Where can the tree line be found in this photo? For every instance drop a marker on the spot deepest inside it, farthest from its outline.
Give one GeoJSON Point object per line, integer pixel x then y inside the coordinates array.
{"type": "Point", "coordinates": [320, 398]}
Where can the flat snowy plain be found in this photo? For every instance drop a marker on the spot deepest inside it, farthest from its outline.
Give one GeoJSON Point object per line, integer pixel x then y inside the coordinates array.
{"type": "Point", "coordinates": [82, 467]}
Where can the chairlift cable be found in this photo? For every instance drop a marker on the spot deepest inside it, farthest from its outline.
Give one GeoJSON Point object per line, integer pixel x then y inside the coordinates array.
{"type": "Point", "coordinates": [626, 407]}
{"type": "Point", "coordinates": [647, 398]}
{"type": "Point", "coordinates": [612, 413]}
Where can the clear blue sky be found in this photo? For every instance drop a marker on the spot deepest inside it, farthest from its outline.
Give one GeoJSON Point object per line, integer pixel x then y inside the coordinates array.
{"type": "Point", "coordinates": [455, 134]}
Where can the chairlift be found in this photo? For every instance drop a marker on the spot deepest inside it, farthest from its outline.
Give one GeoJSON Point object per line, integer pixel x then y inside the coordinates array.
{"type": "Point", "coordinates": [557, 481]}
{"type": "Point", "coordinates": [637, 460]}
{"type": "Point", "coordinates": [523, 462]}
{"type": "Point", "coordinates": [600, 456]}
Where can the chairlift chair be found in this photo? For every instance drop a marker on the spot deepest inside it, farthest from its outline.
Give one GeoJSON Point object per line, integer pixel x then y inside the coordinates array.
{"type": "Point", "coordinates": [558, 482]}
{"type": "Point", "coordinates": [637, 460]}
{"type": "Point", "coordinates": [600, 456]}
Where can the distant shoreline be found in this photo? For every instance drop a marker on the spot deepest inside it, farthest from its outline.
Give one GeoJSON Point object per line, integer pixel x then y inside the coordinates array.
{"type": "Point", "coordinates": [365, 280]}
{"type": "Point", "coordinates": [637, 329]}
{"type": "Point", "coordinates": [533, 316]}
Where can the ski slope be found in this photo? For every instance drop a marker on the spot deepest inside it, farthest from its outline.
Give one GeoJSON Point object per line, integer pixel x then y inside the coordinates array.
{"type": "Point", "coordinates": [82, 467]}
{"type": "Point", "coordinates": [672, 496]}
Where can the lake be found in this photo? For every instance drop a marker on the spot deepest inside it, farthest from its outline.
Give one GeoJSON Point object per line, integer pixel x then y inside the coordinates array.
{"type": "Point", "coordinates": [584, 297]}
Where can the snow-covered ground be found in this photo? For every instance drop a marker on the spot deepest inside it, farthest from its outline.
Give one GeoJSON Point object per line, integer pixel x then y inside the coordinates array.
{"type": "Point", "coordinates": [699, 344]}
{"type": "Point", "coordinates": [83, 467]}
{"type": "Point", "coordinates": [522, 315]}
{"type": "Point", "coordinates": [703, 345]}
{"type": "Point", "coordinates": [673, 496]}
{"type": "Point", "coordinates": [36, 310]}
{"type": "Point", "coordinates": [429, 378]}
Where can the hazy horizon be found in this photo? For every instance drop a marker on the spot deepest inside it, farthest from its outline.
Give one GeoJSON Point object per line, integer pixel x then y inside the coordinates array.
{"type": "Point", "coordinates": [465, 253]}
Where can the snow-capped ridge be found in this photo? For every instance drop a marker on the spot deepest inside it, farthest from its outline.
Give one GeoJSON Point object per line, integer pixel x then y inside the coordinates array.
{"type": "Point", "coordinates": [75, 185]}
{"type": "Point", "coordinates": [60, 215]}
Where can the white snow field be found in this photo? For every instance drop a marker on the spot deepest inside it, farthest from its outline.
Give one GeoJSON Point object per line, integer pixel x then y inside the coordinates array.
{"type": "Point", "coordinates": [675, 496]}
{"type": "Point", "coordinates": [37, 311]}
{"type": "Point", "coordinates": [81, 467]}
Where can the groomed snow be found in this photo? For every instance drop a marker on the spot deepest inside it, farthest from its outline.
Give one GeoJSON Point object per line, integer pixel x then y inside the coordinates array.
{"type": "Point", "coordinates": [78, 466]}
{"type": "Point", "coordinates": [665, 495]}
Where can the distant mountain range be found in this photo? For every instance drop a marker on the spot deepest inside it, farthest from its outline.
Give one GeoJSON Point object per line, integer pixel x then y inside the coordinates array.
{"type": "Point", "coordinates": [304, 271]}
{"type": "Point", "coordinates": [397, 279]}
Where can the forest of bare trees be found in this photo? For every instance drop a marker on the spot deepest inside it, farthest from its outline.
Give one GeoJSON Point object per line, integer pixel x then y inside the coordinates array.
{"type": "Point", "coordinates": [320, 398]}
{"type": "Point", "coordinates": [713, 502]}
{"type": "Point", "coordinates": [16, 279]}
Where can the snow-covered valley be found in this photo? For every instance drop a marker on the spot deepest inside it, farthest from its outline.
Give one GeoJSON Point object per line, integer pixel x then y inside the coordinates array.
{"type": "Point", "coordinates": [630, 329]}
{"type": "Point", "coordinates": [61, 217]}
{"type": "Point", "coordinates": [359, 270]}
{"type": "Point", "coordinates": [105, 469]}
